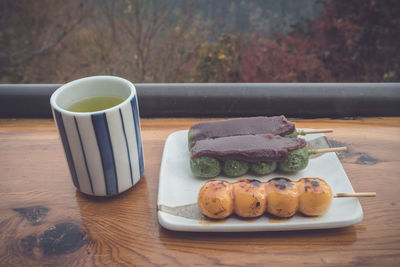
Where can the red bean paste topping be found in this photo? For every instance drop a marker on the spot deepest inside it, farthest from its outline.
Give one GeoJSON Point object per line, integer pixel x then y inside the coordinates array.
{"type": "Point", "coordinates": [251, 148]}
{"type": "Point", "coordinates": [277, 125]}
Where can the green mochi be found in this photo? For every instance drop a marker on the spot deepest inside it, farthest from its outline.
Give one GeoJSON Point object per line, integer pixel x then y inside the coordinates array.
{"type": "Point", "coordinates": [263, 168]}
{"type": "Point", "coordinates": [206, 167]}
{"type": "Point", "coordinates": [296, 161]}
{"type": "Point", "coordinates": [235, 168]}
{"type": "Point", "coordinates": [293, 134]}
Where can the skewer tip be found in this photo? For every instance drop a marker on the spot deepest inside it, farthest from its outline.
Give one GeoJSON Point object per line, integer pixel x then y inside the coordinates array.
{"type": "Point", "coordinates": [360, 194]}
{"type": "Point", "coordinates": [325, 150]}
{"type": "Point", "coordinates": [312, 131]}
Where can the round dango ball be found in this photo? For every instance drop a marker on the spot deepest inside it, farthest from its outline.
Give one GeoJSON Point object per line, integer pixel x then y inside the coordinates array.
{"type": "Point", "coordinates": [234, 168]}
{"type": "Point", "coordinates": [206, 167]}
{"type": "Point", "coordinates": [282, 195]}
{"type": "Point", "coordinates": [215, 199]}
{"type": "Point", "coordinates": [293, 134]}
{"type": "Point", "coordinates": [263, 168]}
{"type": "Point", "coordinates": [315, 196]}
{"type": "Point", "coordinates": [296, 161]}
{"type": "Point", "coordinates": [250, 198]}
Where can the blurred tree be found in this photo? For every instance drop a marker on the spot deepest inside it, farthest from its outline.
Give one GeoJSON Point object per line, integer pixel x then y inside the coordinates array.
{"type": "Point", "coordinates": [351, 41]}
{"type": "Point", "coordinates": [219, 61]}
{"type": "Point", "coordinates": [141, 23]}
{"type": "Point", "coordinates": [163, 37]}
{"type": "Point", "coordinates": [200, 41]}
{"type": "Point", "coordinates": [358, 40]}
{"type": "Point", "coordinates": [140, 40]}
{"type": "Point", "coordinates": [285, 59]}
{"type": "Point", "coordinates": [29, 31]}
{"type": "Point", "coordinates": [175, 58]}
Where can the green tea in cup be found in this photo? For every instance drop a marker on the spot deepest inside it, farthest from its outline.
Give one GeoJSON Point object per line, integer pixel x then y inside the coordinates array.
{"type": "Point", "coordinates": [95, 104]}
{"type": "Point", "coordinates": [99, 125]}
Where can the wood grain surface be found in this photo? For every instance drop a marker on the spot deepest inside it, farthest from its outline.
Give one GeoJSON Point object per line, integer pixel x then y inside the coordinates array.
{"type": "Point", "coordinates": [44, 221]}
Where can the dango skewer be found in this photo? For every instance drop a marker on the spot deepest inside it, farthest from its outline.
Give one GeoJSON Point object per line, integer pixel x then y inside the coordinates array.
{"type": "Point", "coordinates": [281, 197]}
{"type": "Point", "coordinates": [260, 154]}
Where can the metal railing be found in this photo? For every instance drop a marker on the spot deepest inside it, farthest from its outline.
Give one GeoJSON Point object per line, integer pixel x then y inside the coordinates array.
{"type": "Point", "coordinates": [300, 100]}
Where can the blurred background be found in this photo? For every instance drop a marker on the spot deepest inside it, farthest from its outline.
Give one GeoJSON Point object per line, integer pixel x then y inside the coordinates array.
{"type": "Point", "coordinates": [54, 41]}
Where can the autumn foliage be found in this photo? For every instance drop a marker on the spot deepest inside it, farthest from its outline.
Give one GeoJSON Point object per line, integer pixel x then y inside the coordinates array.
{"type": "Point", "coordinates": [284, 59]}
{"type": "Point", "coordinates": [155, 41]}
{"type": "Point", "coordinates": [358, 40]}
{"type": "Point", "coordinates": [350, 41]}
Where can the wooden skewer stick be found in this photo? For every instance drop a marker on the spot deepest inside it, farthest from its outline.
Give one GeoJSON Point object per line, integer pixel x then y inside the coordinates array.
{"type": "Point", "coordinates": [361, 194]}
{"type": "Point", "coordinates": [325, 150]}
{"type": "Point", "coordinates": [304, 132]}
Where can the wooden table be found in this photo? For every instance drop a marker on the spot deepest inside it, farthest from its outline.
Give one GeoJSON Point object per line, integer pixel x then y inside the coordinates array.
{"type": "Point", "coordinates": [45, 221]}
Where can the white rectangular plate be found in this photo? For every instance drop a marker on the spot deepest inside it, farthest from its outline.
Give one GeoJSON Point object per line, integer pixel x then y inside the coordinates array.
{"type": "Point", "coordinates": [178, 189]}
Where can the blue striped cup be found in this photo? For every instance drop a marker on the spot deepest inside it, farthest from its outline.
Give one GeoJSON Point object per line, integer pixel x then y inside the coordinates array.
{"type": "Point", "coordinates": [103, 148]}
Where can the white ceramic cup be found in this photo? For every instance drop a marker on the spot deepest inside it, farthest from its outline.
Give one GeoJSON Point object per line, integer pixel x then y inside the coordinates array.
{"type": "Point", "coordinates": [103, 148]}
